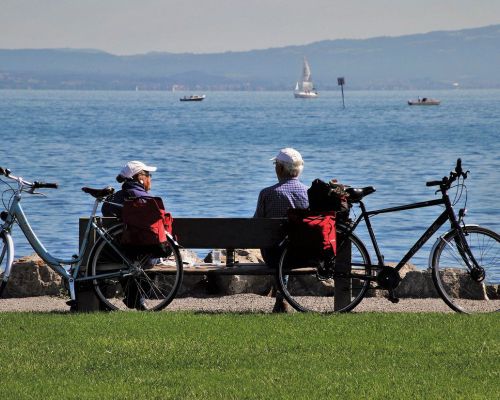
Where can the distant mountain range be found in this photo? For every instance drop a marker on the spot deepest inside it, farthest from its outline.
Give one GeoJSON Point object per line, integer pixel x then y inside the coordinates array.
{"type": "Point", "coordinates": [469, 58]}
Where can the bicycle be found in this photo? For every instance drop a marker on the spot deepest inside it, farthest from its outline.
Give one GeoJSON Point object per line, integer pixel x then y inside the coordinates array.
{"type": "Point", "coordinates": [464, 261]}
{"type": "Point", "coordinates": [120, 278]}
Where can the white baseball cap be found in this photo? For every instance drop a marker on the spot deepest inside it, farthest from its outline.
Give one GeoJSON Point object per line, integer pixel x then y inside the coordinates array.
{"type": "Point", "coordinates": [288, 156]}
{"type": "Point", "coordinates": [134, 167]}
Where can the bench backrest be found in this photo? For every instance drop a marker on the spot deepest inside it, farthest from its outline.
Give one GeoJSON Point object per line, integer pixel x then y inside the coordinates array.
{"type": "Point", "coordinates": [229, 233]}
{"type": "Point", "coordinates": [232, 233]}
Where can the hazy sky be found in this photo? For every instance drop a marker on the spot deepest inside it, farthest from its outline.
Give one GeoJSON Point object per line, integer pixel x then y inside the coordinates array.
{"type": "Point", "coordinates": [206, 26]}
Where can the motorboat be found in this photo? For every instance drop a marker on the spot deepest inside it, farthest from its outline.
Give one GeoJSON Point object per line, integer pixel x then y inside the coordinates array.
{"type": "Point", "coordinates": [193, 97]}
{"type": "Point", "coordinates": [426, 101]}
{"type": "Point", "coordinates": [305, 89]}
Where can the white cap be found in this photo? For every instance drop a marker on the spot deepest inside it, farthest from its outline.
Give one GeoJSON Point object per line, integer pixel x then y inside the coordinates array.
{"type": "Point", "coordinates": [289, 156]}
{"type": "Point", "coordinates": [134, 167]}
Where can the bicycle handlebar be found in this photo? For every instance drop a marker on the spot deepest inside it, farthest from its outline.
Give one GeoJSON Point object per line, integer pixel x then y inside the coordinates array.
{"type": "Point", "coordinates": [446, 182]}
{"type": "Point", "coordinates": [433, 183]}
{"type": "Point", "coordinates": [35, 185]}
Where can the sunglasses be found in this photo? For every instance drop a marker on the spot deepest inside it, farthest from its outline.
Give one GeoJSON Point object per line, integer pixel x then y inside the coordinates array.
{"type": "Point", "coordinates": [146, 173]}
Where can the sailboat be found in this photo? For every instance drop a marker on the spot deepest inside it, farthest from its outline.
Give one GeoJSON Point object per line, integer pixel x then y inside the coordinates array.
{"type": "Point", "coordinates": [305, 89]}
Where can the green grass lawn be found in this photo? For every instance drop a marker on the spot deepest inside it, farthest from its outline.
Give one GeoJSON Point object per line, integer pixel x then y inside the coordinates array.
{"type": "Point", "coordinates": [231, 356]}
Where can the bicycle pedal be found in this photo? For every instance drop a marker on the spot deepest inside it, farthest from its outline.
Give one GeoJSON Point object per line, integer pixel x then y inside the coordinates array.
{"type": "Point", "coordinates": [392, 298]}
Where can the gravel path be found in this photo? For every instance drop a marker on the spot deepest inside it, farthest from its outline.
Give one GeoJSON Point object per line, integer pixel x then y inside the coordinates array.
{"type": "Point", "coordinates": [246, 303]}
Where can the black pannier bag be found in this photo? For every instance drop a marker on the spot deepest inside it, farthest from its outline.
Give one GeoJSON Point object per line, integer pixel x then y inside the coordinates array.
{"type": "Point", "coordinates": [331, 196]}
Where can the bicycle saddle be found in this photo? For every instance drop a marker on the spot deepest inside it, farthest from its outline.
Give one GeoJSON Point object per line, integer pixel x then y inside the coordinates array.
{"type": "Point", "coordinates": [356, 194]}
{"type": "Point", "coordinates": [99, 193]}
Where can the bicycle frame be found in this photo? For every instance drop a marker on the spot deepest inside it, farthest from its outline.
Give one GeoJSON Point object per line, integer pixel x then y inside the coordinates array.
{"type": "Point", "coordinates": [16, 214]}
{"type": "Point", "coordinates": [447, 215]}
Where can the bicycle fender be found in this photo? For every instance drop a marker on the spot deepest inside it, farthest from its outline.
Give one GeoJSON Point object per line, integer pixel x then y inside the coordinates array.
{"type": "Point", "coordinates": [439, 239]}
{"type": "Point", "coordinates": [10, 255]}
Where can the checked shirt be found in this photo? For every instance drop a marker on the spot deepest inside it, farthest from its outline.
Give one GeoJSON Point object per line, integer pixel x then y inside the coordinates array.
{"type": "Point", "coordinates": [274, 201]}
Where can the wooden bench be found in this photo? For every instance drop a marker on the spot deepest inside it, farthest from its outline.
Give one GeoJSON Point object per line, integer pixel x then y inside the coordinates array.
{"type": "Point", "coordinates": [211, 233]}
{"type": "Point", "coordinates": [218, 233]}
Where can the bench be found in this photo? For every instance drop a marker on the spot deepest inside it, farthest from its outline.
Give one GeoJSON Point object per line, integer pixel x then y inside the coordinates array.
{"type": "Point", "coordinates": [217, 233]}
{"type": "Point", "coordinates": [209, 233]}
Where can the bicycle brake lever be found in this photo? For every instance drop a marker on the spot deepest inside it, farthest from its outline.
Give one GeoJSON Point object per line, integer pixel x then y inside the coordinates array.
{"type": "Point", "coordinates": [32, 191]}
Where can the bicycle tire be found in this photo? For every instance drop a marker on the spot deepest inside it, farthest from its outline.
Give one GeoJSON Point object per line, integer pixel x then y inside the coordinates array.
{"type": "Point", "coordinates": [452, 279]}
{"type": "Point", "coordinates": [306, 291]}
{"type": "Point", "coordinates": [148, 286]}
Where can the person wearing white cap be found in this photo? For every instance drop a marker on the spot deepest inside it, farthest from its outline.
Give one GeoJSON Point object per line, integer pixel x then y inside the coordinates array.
{"type": "Point", "coordinates": [135, 177]}
{"type": "Point", "coordinates": [275, 201]}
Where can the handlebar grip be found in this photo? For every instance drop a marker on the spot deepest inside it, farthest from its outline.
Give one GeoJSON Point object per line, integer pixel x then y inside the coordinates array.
{"type": "Point", "coordinates": [433, 183]}
{"type": "Point", "coordinates": [38, 185]}
{"type": "Point", "coordinates": [458, 167]}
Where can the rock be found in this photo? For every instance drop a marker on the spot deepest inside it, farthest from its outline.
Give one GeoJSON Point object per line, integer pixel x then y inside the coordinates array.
{"type": "Point", "coordinates": [248, 255]}
{"type": "Point", "coordinates": [493, 292]}
{"type": "Point", "coordinates": [30, 276]}
{"type": "Point", "coordinates": [189, 257]}
{"type": "Point", "coordinates": [459, 285]}
{"type": "Point", "coordinates": [237, 284]}
{"type": "Point", "coordinates": [417, 284]}
{"type": "Point", "coordinates": [414, 284]}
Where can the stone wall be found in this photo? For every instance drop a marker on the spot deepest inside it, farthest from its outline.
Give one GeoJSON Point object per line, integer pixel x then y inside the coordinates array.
{"type": "Point", "coordinates": [31, 277]}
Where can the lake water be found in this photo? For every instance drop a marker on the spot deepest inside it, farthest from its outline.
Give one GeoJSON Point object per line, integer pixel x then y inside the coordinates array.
{"type": "Point", "coordinates": [213, 156]}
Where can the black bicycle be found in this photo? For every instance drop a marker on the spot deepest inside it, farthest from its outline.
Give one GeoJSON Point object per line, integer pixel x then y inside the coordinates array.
{"type": "Point", "coordinates": [464, 261]}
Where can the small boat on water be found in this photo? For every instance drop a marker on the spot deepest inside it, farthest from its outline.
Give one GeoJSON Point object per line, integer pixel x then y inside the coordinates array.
{"type": "Point", "coordinates": [426, 101]}
{"type": "Point", "coordinates": [193, 97]}
{"type": "Point", "coordinates": [305, 89]}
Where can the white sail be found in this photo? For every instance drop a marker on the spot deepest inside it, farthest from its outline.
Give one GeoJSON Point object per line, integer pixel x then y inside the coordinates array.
{"type": "Point", "coordinates": [305, 89]}
{"type": "Point", "coordinates": [306, 72]}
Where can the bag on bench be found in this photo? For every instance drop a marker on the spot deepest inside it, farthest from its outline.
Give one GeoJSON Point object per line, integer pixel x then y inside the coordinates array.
{"type": "Point", "coordinates": [146, 223]}
{"type": "Point", "coordinates": [312, 234]}
{"type": "Point", "coordinates": [329, 196]}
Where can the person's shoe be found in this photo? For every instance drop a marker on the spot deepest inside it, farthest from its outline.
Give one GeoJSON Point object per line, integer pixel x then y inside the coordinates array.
{"type": "Point", "coordinates": [281, 306]}
{"type": "Point", "coordinates": [141, 305]}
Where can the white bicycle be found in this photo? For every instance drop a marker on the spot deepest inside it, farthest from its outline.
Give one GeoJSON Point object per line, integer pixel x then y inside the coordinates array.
{"type": "Point", "coordinates": [121, 279]}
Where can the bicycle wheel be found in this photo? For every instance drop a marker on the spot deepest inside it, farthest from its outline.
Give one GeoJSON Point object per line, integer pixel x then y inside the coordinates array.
{"type": "Point", "coordinates": [456, 285]}
{"type": "Point", "coordinates": [147, 285]}
{"type": "Point", "coordinates": [307, 290]}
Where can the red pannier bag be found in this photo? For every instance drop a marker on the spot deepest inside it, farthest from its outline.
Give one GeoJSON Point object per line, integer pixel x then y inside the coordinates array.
{"type": "Point", "coordinates": [146, 223]}
{"type": "Point", "coordinates": [312, 233]}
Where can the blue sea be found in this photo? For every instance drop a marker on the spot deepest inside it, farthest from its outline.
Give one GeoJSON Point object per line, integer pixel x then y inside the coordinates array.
{"type": "Point", "coordinates": [213, 156]}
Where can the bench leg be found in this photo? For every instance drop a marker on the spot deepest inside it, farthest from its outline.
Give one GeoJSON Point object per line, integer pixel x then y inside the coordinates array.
{"type": "Point", "coordinates": [212, 285]}
{"type": "Point", "coordinates": [342, 296]}
{"type": "Point", "coordinates": [86, 298]}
